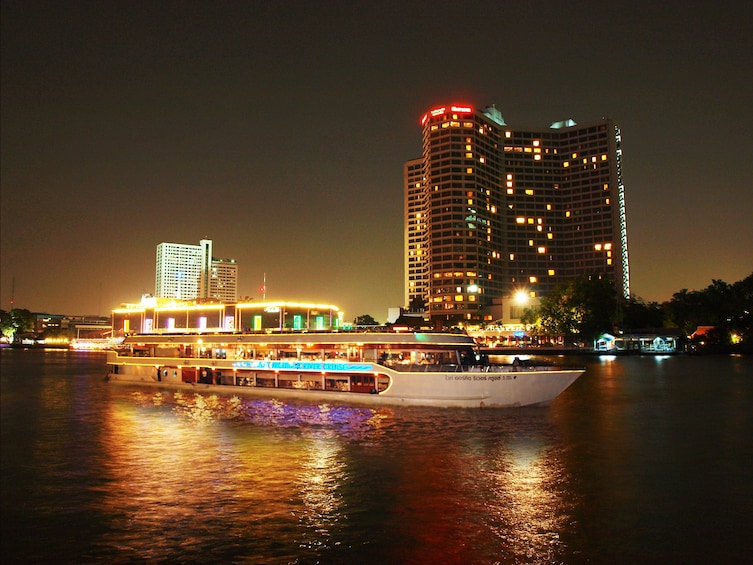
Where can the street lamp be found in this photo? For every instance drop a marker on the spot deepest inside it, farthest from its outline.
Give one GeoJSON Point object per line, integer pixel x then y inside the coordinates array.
{"type": "Point", "coordinates": [521, 298]}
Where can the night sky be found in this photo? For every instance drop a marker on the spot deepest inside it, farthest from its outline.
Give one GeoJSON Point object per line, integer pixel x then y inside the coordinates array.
{"type": "Point", "coordinates": [279, 130]}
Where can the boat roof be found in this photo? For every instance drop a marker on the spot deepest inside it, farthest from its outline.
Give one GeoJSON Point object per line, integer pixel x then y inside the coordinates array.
{"type": "Point", "coordinates": [304, 338]}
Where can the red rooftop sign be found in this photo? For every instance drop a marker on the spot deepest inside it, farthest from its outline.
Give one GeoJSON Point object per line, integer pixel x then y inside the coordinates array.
{"type": "Point", "coordinates": [443, 110]}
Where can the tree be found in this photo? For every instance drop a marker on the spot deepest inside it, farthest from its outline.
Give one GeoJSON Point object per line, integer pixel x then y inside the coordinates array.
{"type": "Point", "coordinates": [17, 321]}
{"type": "Point", "coordinates": [417, 304]}
{"type": "Point", "coordinates": [586, 306]}
{"type": "Point", "coordinates": [365, 320]}
{"type": "Point", "coordinates": [637, 314]}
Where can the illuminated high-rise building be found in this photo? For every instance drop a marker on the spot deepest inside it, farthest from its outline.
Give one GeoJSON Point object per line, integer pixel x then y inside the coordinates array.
{"type": "Point", "coordinates": [223, 280]}
{"type": "Point", "coordinates": [189, 272]}
{"type": "Point", "coordinates": [492, 210]}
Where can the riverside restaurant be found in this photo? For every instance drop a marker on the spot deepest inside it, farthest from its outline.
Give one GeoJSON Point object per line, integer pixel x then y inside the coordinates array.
{"type": "Point", "coordinates": [154, 315]}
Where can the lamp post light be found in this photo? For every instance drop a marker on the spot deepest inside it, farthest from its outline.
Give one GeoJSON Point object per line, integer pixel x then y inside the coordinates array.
{"type": "Point", "coordinates": [521, 298]}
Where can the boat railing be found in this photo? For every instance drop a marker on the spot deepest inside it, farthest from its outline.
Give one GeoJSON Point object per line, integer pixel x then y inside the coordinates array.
{"type": "Point", "coordinates": [455, 368]}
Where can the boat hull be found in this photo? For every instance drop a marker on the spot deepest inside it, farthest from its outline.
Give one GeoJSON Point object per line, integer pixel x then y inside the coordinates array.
{"type": "Point", "coordinates": [461, 388]}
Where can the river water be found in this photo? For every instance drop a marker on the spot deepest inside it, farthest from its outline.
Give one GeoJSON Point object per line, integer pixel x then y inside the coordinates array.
{"type": "Point", "coordinates": [642, 460]}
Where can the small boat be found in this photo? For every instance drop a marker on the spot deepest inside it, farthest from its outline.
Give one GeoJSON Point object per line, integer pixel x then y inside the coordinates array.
{"type": "Point", "coordinates": [380, 367]}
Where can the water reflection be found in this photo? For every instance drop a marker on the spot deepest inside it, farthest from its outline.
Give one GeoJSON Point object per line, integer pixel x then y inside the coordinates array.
{"type": "Point", "coordinates": [323, 473]}
{"type": "Point", "coordinates": [181, 465]}
{"type": "Point", "coordinates": [525, 507]}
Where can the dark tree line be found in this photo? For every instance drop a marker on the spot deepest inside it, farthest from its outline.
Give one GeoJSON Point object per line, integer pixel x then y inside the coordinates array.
{"type": "Point", "coordinates": [588, 307]}
{"type": "Point", "coordinates": [15, 323]}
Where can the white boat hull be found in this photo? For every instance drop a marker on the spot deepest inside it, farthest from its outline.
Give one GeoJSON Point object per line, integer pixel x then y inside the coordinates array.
{"type": "Point", "coordinates": [470, 387]}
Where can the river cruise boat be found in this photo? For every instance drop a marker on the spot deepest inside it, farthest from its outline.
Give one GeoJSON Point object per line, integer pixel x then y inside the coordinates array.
{"type": "Point", "coordinates": [380, 367]}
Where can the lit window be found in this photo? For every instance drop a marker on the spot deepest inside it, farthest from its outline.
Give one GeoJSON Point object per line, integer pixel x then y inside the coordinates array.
{"type": "Point", "coordinates": [512, 256]}
{"type": "Point", "coordinates": [575, 155]}
{"type": "Point", "coordinates": [548, 206]}
{"type": "Point", "coordinates": [537, 157]}
{"type": "Point", "coordinates": [529, 191]}
{"type": "Point", "coordinates": [536, 142]}
{"type": "Point", "coordinates": [607, 246]}
{"type": "Point", "coordinates": [566, 164]}
{"type": "Point", "coordinates": [520, 220]}
{"type": "Point", "coordinates": [469, 170]}
{"type": "Point", "coordinates": [482, 159]}
{"type": "Point", "coordinates": [467, 147]}
{"type": "Point", "coordinates": [550, 272]}
{"type": "Point", "coordinates": [510, 191]}
{"type": "Point", "coordinates": [603, 157]}
{"type": "Point", "coordinates": [541, 250]}
{"type": "Point", "coordinates": [567, 214]}
{"type": "Point", "coordinates": [508, 134]}
{"type": "Point", "coordinates": [597, 247]}
{"type": "Point", "coordinates": [458, 298]}
{"type": "Point", "coordinates": [533, 280]}
{"type": "Point", "coordinates": [530, 221]}
{"type": "Point", "coordinates": [609, 261]}
{"type": "Point", "coordinates": [530, 243]}
{"type": "Point", "coordinates": [550, 235]}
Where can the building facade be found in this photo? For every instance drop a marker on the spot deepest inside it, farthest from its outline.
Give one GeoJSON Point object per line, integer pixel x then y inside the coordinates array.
{"type": "Point", "coordinates": [159, 315]}
{"type": "Point", "coordinates": [189, 272]}
{"type": "Point", "coordinates": [223, 282]}
{"type": "Point", "coordinates": [493, 210]}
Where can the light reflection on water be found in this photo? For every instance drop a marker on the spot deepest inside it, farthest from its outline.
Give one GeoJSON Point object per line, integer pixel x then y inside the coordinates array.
{"type": "Point", "coordinates": [278, 478]}
{"type": "Point", "coordinates": [641, 460]}
{"type": "Point", "coordinates": [186, 465]}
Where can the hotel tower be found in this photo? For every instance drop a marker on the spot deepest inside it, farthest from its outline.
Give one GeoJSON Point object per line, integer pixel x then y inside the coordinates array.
{"type": "Point", "coordinates": [189, 272]}
{"type": "Point", "coordinates": [493, 211]}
